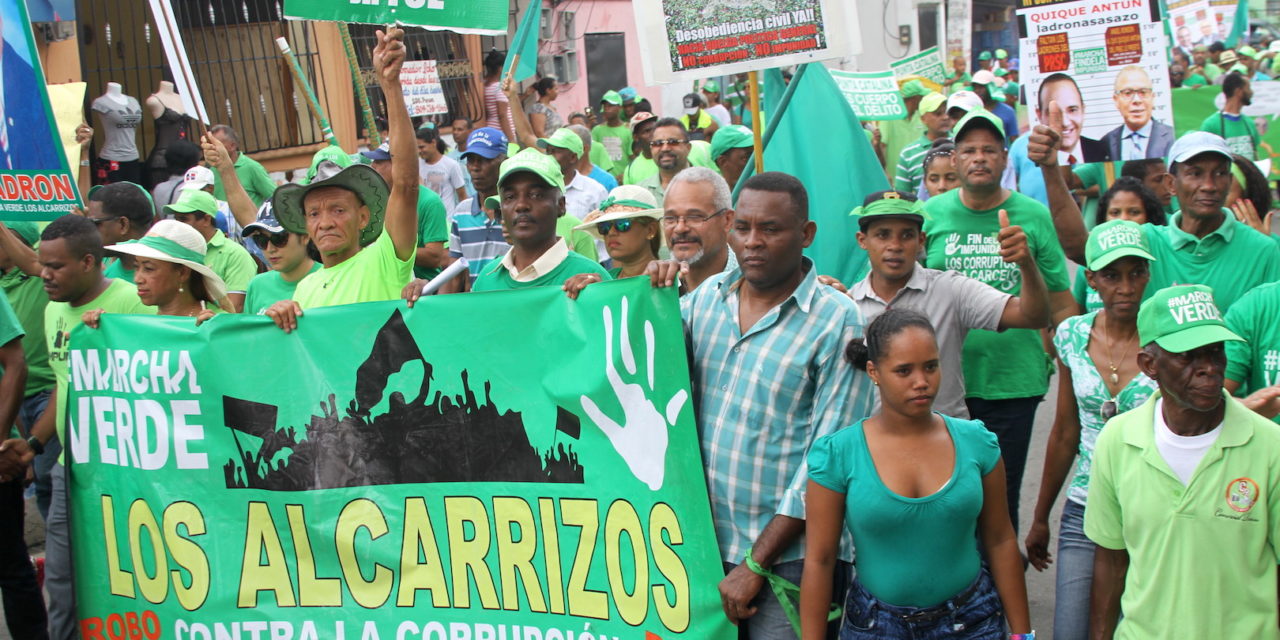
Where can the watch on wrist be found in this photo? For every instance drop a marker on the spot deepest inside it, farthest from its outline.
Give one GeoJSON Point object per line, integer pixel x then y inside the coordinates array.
{"type": "Point", "coordinates": [35, 444]}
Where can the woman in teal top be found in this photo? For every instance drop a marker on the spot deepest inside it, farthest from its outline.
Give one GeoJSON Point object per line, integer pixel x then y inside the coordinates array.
{"type": "Point", "coordinates": [1098, 378]}
{"type": "Point", "coordinates": [1127, 199]}
{"type": "Point", "coordinates": [918, 491]}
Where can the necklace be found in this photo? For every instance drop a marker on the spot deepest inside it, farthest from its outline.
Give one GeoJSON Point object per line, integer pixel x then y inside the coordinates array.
{"type": "Point", "coordinates": [1111, 359]}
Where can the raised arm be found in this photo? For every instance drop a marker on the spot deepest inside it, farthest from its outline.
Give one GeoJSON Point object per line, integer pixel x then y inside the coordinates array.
{"type": "Point", "coordinates": [1042, 149]}
{"type": "Point", "coordinates": [215, 155]}
{"type": "Point", "coordinates": [23, 257]}
{"type": "Point", "coordinates": [525, 135]}
{"type": "Point", "coordinates": [402, 205]}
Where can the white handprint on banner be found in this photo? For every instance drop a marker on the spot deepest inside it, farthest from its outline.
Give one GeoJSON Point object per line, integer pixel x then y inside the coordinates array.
{"type": "Point", "coordinates": [641, 439]}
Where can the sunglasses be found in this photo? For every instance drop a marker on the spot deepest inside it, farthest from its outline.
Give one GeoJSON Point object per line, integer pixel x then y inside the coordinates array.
{"type": "Point", "coordinates": [278, 239]}
{"type": "Point", "coordinates": [623, 226]}
{"type": "Point", "coordinates": [1109, 410]}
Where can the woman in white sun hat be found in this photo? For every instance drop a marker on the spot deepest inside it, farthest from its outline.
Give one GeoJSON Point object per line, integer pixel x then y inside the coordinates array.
{"type": "Point", "coordinates": [628, 223]}
{"type": "Point", "coordinates": [171, 274]}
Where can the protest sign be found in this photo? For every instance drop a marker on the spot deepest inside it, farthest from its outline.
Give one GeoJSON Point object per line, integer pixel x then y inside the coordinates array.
{"type": "Point", "coordinates": [67, 103]}
{"type": "Point", "coordinates": [873, 96]}
{"type": "Point", "coordinates": [1104, 63]}
{"type": "Point", "coordinates": [422, 91]}
{"type": "Point", "coordinates": [693, 39]}
{"type": "Point", "coordinates": [1191, 23]}
{"type": "Point", "coordinates": [927, 64]}
{"type": "Point", "coordinates": [35, 178]}
{"type": "Point", "coordinates": [481, 17]}
{"type": "Point", "coordinates": [372, 476]}
{"type": "Point", "coordinates": [1224, 17]}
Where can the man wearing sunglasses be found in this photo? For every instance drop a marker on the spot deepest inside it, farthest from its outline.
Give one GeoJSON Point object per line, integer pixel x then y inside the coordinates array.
{"type": "Point", "coordinates": [288, 255]}
{"type": "Point", "coordinates": [670, 147]}
{"type": "Point", "coordinates": [122, 211]}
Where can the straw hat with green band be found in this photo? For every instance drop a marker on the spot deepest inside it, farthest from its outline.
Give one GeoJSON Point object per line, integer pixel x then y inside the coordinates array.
{"type": "Point", "coordinates": [626, 201]}
{"type": "Point", "coordinates": [1182, 318]}
{"type": "Point", "coordinates": [193, 201]}
{"type": "Point", "coordinates": [532, 161]}
{"type": "Point", "coordinates": [1113, 240]}
{"type": "Point", "coordinates": [563, 138]}
{"type": "Point", "coordinates": [889, 204]}
{"type": "Point", "coordinates": [362, 180]}
{"type": "Point", "coordinates": [173, 241]}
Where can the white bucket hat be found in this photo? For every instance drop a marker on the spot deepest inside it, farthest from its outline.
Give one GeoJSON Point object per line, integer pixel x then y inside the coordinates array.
{"type": "Point", "coordinates": [627, 201]}
{"type": "Point", "coordinates": [176, 242]}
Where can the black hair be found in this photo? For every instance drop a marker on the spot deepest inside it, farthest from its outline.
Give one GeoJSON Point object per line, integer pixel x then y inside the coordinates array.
{"type": "Point", "coordinates": [1139, 169]}
{"type": "Point", "coordinates": [544, 85]}
{"type": "Point", "coordinates": [429, 135]}
{"type": "Point", "coordinates": [1041, 105]}
{"type": "Point", "coordinates": [465, 119]}
{"type": "Point", "coordinates": [127, 200]}
{"type": "Point", "coordinates": [1217, 47]}
{"type": "Point", "coordinates": [81, 235]}
{"type": "Point", "coordinates": [874, 345]}
{"type": "Point", "coordinates": [1150, 203]}
{"type": "Point", "coordinates": [643, 105]}
{"type": "Point", "coordinates": [941, 147]}
{"type": "Point", "coordinates": [180, 156]}
{"type": "Point", "coordinates": [381, 125]}
{"type": "Point", "coordinates": [779, 182]}
{"type": "Point", "coordinates": [493, 62]}
{"type": "Point", "coordinates": [1232, 83]}
{"type": "Point", "coordinates": [671, 122]}
{"type": "Point", "coordinates": [1255, 188]}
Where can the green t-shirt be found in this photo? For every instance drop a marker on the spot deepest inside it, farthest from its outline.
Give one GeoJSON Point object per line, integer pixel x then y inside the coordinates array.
{"type": "Point", "coordinates": [1212, 71]}
{"type": "Point", "coordinates": [1255, 364]}
{"type": "Point", "coordinates": [28, 299]}
{"type": "Point", "coordinates": [1011, 364]}
{"type": "Point", "coordinates": [700, 154]}
{"type": "Point", "coordinates": [1195, 80]}
{"type": "Point", "coordinates": [1094, 174]}
{"type": "Point", "coordinates": [432, 226]}
{"type": "Point", "coordinates": [617, 143]}
{"type": "Point", "coordinates": [231, 262]}
{"type": "Point", "coordinates": [373, 274]}
{"type": "Point", "coordinates": [1238, 131]}
{"type": "Point", "coordinates": [1085, 295]}
{"type": "Point", "coordinates": [600, 157]}
{"type": "Point", "coordinates": [266, 289]}
{"type": "Point", "coordinates": [114, 268]}
{"type": "Point", "coordinates": [581, 242]}
{"type": "Point", "coordinates": [639, 169]}
{"type": "Point", "coordinates": [497, 278]}
{"type": "Point", "coordinates": [60, 318]}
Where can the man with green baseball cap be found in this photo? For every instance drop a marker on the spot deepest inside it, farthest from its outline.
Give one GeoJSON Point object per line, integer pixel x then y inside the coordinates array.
{"type": "Point", "coordinates": [1184, 493]}
{"type": "Point", "coordinates": [895, 135]}
{"type": "Point", "coordinates": [937, 124]}
{"type": "Point", "coordinates": [984, 60]}
{"type": "Point", "coordinates": [230, 260]}
{"type": "Point", "coordinates": [717, 111]}
{"type": "Point", "coordinates": [986, 85]}
{"type": "Point", "coordinates": [366, 231]}
{"type": "Point", "coordinates": [582, 195]}
{"type": "Point", "coordinates": [1006, 374]}
{"type": "Point", "coordinates": [613, 134]}
{"type": "Point", "coordinates": [731, 149]}
{"type": "Point", "coordinates": [532, 191]}
{"type": "Point", "coordinates": [890, 224]}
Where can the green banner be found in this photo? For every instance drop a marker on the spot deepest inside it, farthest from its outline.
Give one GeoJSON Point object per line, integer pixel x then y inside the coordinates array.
{"type": "Point", "coordinates": [873, 95]}
{"type": "Point", "coordinates": [1193, 105]}
{"type": "Point", "coordinates": [511, 465]}
{"type": "Point", "coordinates": [927, 64]}
{"type": "Point", "coordinates": [484, 17]}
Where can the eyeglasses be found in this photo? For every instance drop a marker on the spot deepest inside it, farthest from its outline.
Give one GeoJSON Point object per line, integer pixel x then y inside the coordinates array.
{"type": "Point", "coordinates": [1130, 94]}
{"type": "Point", "coordinates": [669, 142]}
{"type": "Point", "coordinates": [691, 220]}
{"type": "Point", "coordinates": [99, 221]}
{"type": "Point", "coordinates": [623, 226]}
{"type": "Point", "coordinates": [278, 239]}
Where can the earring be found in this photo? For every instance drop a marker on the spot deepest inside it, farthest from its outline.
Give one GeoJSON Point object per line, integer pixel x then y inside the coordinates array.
{"type": "Point", "coordinates": [180, 289]}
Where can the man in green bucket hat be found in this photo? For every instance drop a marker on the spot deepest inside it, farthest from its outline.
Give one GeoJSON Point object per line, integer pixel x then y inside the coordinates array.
{"type": "Point", "coordinates": [365, 230]}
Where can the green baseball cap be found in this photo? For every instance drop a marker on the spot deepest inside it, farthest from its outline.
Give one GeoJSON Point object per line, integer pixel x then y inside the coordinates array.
{"type": "Point", "coordinates": [931, 102]}
{"type": "Point", "coordinates": [913, 88]}
{"type": "Point", "coordinates": [1181, 318]}
{"type": "Point", "coordinates": [1001, 54]}
{"type": "Point", "coordinates": [734, 136]}
{"type": "Point", "coordinates": [1000, 73]}
{"type": "Point", "coordinates": [193, 201]}
{"type": "Point", "coordinates": [1248, 52]}
{"type": "Point", "coordinates": [493, 203]}
{"type": "Point", "coordinates": [711, 86]}
{"type": "Point", "coordinates": [563, 138]}
{"type": "Point", "coordinates": [532, 161]}
{"type": "Point", "coordinates": [985, 55]}
{"type": "Point", "coordinates": [1113, 240]}
{"type": "Point", "coordinates": [977, 118]}
{"type": "Point", "coordinates": [28, 231]}
{"type": "Point", "coordinates": [612, 97]}
{"type": "Point", "coordinates": [889, 204]}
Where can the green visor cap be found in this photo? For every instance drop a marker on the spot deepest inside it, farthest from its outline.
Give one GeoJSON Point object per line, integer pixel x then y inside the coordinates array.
{"type": "Point", "coordinates": [889, 204]}
{"type": "Point", "coordinates": [733, 136]}
{"type": "Point", "coordinates": [612, 97]}
{"type": "Point", "coordinates": [1113, 240]}
{"type": "Point", "coordinates": [194, 201]}
{"type": "Point", "coordinates": [564, 138]}
{"type": "Point", "coordinates": [1182, 318]}
{"type": "Point", "coordinates": [532, 161]}
{"type": "Point", "coordinates": [977, 118]}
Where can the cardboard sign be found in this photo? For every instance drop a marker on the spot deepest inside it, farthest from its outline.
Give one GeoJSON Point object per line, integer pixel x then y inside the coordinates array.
{"type": "Point", "coordinates": [422, 91]}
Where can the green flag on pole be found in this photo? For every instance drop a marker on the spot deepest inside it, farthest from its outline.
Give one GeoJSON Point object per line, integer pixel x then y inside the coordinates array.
{"type": "Point", "coordinates": [1239, 25]}
{"type": "Point", "coordinates": [523, 51]}
{"type": "Point", "coordinates": [814, 135]}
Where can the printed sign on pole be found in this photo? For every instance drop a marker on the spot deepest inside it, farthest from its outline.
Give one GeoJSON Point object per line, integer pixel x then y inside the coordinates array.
{"type": "Point", "coordinates": [480, 17]}
{"type": "Point", "coordinates": [35, 180]}
{"type": "Point", "coordinates": [1104, 63]}
{"type": "Point", "coordinates": [1192, 23]}
{"type": "Point", "coordinates": [927, 64]}
{"type": "Point", "coordinates": [423, 94]}
{"type": "Point", "coordinates": [873, 96]}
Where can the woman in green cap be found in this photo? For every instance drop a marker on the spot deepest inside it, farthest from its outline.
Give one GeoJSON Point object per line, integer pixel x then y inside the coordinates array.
{"type": "Point", "coordinates": [1098, 379]}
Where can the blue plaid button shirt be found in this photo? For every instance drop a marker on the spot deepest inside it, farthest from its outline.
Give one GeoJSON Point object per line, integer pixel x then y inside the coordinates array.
{"type": "Point", "coordinates": [765, 396]}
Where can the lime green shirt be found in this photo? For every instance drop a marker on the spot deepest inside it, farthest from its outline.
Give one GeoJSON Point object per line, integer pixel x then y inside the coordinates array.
{"type": "Point", "coordinates": [895, 135]}
{"type": "Point", "coordinates": [373, 274]}
{"type": "Point", "coordinates": [266, 289]}
{"type": "Point", "coordinates": [28, 299]}
{"type": "Point", "coordinates": [496, 277]}
{"type": "Point", "coordinates": [600, 157]}
{"type": "Point", "coordinates": [639, 169]}
{"type": "Point", "coordinates": [60, 318]}
{"type": "Point", "coordinates": [580, 241]}
{"type": "Point", "coordinates": [231, 262]}
{"type": "Point", "coordinates": [253, 176]}
{"type": "Point", "coordinates": [432, 226]}
{"type": "Point", "coordinates": [1009, 364]}
{"type": "Point", "coordinates": [617, 143]}
{"type": "Point", "coordinates": [1202, 557]}
{"type": "Point", "coordinates": [1255, 364]}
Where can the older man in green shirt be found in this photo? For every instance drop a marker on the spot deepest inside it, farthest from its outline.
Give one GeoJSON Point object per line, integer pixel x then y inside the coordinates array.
{"type": "Point", "coordinates": [252, 174]}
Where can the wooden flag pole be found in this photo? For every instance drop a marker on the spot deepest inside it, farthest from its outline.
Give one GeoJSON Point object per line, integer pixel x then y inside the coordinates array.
{"type": "Point", "coordinates": [300, 79]}
{"type": "Point", "coordinates": [753, 90]}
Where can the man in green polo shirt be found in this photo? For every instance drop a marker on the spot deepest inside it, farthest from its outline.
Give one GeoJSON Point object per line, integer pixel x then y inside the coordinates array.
{"type": "Point", "coordinates": [532, 192]}
{"type": "Point", "coordinates": [910, 171]}
{"type": "Point", "coordinates": [366, 231]}
{"type": "Point", "coordinates": [252, 175]}
{"type": "Point", "coordinates": [231, 261]}
{"type": "Point", "coordinates": [1184, 494]}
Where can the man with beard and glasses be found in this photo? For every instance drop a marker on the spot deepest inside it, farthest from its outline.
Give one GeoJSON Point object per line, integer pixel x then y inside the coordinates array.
{"type": "Point", "coordinates": [670, 146]}
{"type": "Point", "coordinates": [1229, 123]}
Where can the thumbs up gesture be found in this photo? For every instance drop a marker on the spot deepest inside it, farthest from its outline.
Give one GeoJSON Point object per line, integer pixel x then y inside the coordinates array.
{"type": "Point", "coordinates": [1013, 242]}
{"type": "Point", "coordinates": [1046, 139]}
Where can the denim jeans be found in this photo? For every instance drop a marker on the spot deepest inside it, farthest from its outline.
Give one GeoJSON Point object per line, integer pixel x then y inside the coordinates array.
{"type": "Point", "coordinates": [23, 602]}
{"type": "Point", "coordinates": [30, 409]}
{"type": "Point", "coordinates": [1075, 576]}
{"type": "Point", "coordinates": [974, 613]}
{"type": "Point", "coordinates": [770, 621]}
{"type": "Point", "coordinates": [1011, 420]}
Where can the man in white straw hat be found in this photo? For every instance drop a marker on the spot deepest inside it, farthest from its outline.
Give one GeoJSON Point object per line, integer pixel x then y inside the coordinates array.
{"type": "Point", "coordinates": [171, 273]}
{"type": "Point", "coordinates": [345, 213]}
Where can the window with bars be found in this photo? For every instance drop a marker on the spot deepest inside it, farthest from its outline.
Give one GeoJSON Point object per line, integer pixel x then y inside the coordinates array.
{"type": "Point", "coordinates": [446, 48]}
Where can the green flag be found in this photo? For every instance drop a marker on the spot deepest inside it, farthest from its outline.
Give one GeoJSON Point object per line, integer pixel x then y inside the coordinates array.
{"type": "Point", "coordinates": [814, 135]}
{"type": "Point", "coordinates": [1239, 25]}
{"type": "Point", "coordinates": [525, 44]}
